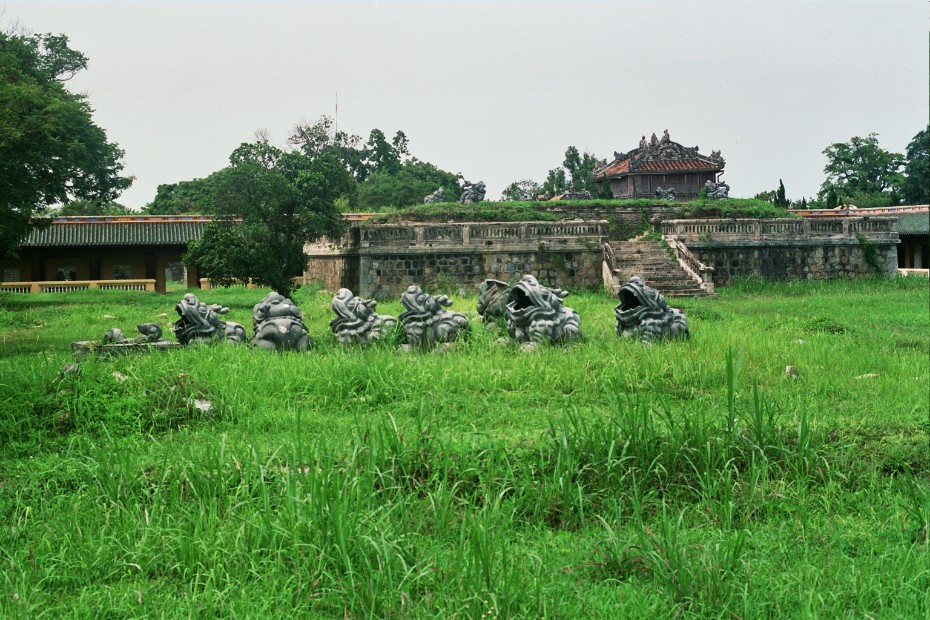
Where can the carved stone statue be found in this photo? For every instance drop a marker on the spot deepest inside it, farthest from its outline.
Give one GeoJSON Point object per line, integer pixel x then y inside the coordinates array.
{"type": "Point", "coordinates": [653, 140]}
{"type": "Point", "coordinates": [642, 145]}
{"type": "Point", "coordinates": [665, 136]}
{"type": "Point", "coordinates": [200, 322]}
{"type": "Point", "coordinates": [472, 193]}
{"type": "Point", "coordinates": [356, 321]}
{"type": "Point", "coordinates": [577, 194]}
{"type": "Point", "coordinates": [149, 333]}
{"type": "Point", "coordinates": [666, 194]}
{"type": "Point", "coordinates": [717, 190]}
{"type": "Point", "coordinates": [425, 322]}
{"type": "Point", "coordinates": [438, 196]}
{"type": "Point", "coordinates": [535, 314]}
{"type": "Point", "coordinates": [278, 325]}
{"type": "Point", "coordinates": [492, 301]}
{"type": "Point", "coordinates": [643, 313]}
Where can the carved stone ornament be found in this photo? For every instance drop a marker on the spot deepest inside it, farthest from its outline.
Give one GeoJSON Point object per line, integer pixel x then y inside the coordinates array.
{"type": "Point", "coordinates": [472, 193]}
{"type": "Point", "coordinates": [492, 301]}
{"type": "Point", "coordinates": [643, 313]}
{"type": "Point", "coordinates": [535, 314]}
{"type": "Point", "coordinates": [279, 325]}
{"type": "Point", "coordinates": [666, 194]}
{"type": "Point", "coordinates": [438, 196]}
{"type": "Point", "coordinates": [425, 322]}
{"type": "Point", "coordinates": [201, 322]}
{"type": "Point", "coordinates": [356, 321]}
{"type": "Point", "coordinates": [717, 190]}
{"type": "Point", "coordinates": [149, 333]}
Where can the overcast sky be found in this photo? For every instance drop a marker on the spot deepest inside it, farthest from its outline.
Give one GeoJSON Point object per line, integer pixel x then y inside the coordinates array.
{"type": "Point", "coordinates": [498, 90]}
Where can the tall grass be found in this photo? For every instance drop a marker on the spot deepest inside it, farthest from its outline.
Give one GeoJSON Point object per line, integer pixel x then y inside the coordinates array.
{"type": "Point", "coordinates": [602, 480]}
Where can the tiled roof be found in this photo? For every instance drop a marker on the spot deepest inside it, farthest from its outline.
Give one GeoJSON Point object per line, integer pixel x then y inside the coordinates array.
{"type": "Point", "coordinates": [690, 165]}
{"type": "Point", "coordinates": [914, 224]}
{"type": "Point", "coordinates": [87, 232]}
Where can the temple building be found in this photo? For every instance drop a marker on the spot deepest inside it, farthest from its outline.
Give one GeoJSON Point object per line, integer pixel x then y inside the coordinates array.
{"type": "Point", "coordinates": [660, 163]}
{"type": "Point", "coordinates": [129, 252]}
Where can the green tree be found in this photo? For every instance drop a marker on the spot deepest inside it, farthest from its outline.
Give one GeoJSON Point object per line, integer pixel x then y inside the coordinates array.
{"type": "Point", "coordinates": [916, 186]}
{"type": "Point", "coordinates": [522, 190]}
{"type": "Point", "coordinates": [83, 206]}
{"type": "Point", "coordinates": [51, 151]}
{"type": "Point", "coordinates": [580, 168]}
{"type": "Point", "coordinates": [861, 167]}
{"type": "Point", "coordinates": [182, 197]}
{"type": "Point", "coordinates": [780, 200]}
{"type": "Point", "coordinates": [832, 200]}
{"type": "Point", "coordinates": [555, 182]}
{"type": "Point", "coordinates": [321, 136]}
{"type": "Point", "coordinates": [407, 186]}
{"type": "Point", "coordinates": [269, 203]}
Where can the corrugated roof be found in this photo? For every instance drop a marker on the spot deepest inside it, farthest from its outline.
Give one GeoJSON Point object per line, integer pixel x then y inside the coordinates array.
{"type": "Point", "coordinates": [914, 224]}
{"type": "Point", "coordinates": [100, 233]}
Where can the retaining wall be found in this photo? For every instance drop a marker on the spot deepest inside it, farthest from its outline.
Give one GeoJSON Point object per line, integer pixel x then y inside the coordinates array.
{"type": "Point", "coordinates": [780, 249]}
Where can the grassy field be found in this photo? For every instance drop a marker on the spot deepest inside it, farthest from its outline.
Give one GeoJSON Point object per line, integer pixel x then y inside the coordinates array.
{"type": "Point", "coordinates": [603, 480]}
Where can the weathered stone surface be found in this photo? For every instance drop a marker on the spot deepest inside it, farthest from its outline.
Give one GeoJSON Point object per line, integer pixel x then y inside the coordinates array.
{"type": "Point", "coordinates": [535, 313]}
{"type": "Point", "coordinates": [200, 322]}
{"type": "Point", "coordinates": [717, 190]}
{"type": "Point", "coordinates": [426, 323]}
{"type": "Point", "coordinates": [492, 300]}
{"type": "Point", "coordinates": [438, 196]}
{"type": "Point", "coordinates": [356, 321]}
{"type": "Point", "coordinates": [643, 313]}
{"type": "Point", "coordinates": [472, 192]}
{"type": "Point", "coordinates": [279, 325]}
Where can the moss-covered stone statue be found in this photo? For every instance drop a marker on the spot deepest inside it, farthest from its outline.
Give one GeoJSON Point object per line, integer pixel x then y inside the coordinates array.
{"type": "Point", "coordinates": [643, 313]}
{"type": "Point", "coordinates": [426, 323]}
{"type": "Point", "coordinates": [356, 321]}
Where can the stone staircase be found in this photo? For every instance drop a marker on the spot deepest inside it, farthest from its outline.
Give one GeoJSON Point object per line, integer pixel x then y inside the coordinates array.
{"type": "Point", "coordinates": [651, 261]}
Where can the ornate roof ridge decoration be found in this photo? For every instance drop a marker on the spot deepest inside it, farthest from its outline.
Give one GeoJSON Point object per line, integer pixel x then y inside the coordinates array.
{"type": "Point", "coordinates": [661, 150]}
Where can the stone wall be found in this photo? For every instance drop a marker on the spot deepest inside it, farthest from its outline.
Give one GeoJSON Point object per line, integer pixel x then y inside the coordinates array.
{"type": "Point", "coordinates": [784, 249]}
{"type": "Point", "coordinates": [382, 260]}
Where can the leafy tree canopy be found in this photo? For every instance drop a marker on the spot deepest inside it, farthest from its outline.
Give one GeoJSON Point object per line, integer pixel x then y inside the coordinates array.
{"type": "Point", "coordinates": [182, 197]}
{"type": "Point", "coordinates": [860, 167]}
{"type": "Point", "coordinates": [522, 191]}
{"type": "Point", "coordinates": [408, 185]}
{"type": "Point", "coordinates": [269, 202]}
{"type": "Point", "coordinates": [916, 186]}
{"type": "Point", "coordinates": [51, 151]}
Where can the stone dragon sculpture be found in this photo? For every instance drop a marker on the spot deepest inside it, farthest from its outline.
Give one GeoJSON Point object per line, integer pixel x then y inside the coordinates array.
{"type": "Point", "coordinates": [535, 314]}
{"type": "Point", "coordinates": [426, 323]}
{"type": "Point", "coordinates": [643, 313]}
{"type": "Point", "coordinates": [356, 321]}
{"type": "Point", "coordinates": [200, 322]}
{"type": "Point", "coordinates": [279, 325]}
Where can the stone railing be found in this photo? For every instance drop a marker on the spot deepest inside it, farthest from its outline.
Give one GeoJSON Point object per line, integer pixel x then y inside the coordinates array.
{"type": "Point", "coordinates": [690, 263]}
{"type": "Point", "coordinates": [782, 229]}
{"type": "Point", "coordinates": [66, 286]}
{"type": "Point", "coordinates": [484, 235]}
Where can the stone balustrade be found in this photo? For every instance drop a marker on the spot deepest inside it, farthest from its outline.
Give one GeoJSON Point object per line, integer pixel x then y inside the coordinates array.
{"type": "Point", "coordinates": [781, 229]}
{"type": "Point", "coordinates": [66, 286]}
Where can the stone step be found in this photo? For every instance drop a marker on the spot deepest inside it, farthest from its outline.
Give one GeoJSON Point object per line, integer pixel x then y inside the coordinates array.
{"type": "Point", "coordinates": [651, 261]}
